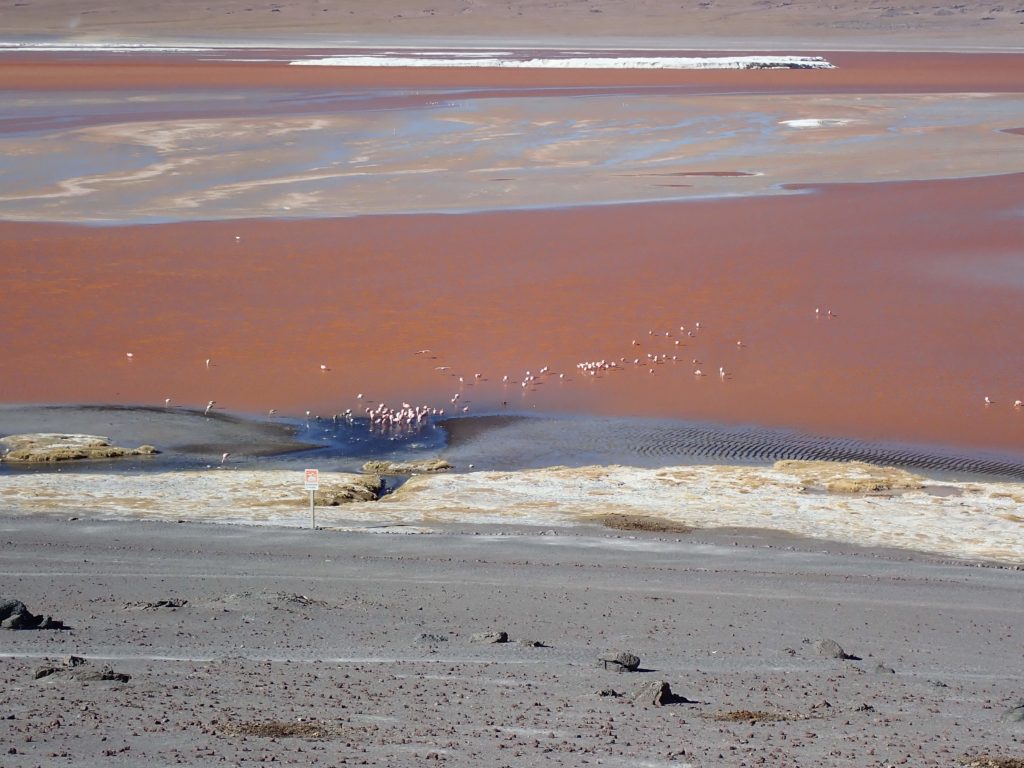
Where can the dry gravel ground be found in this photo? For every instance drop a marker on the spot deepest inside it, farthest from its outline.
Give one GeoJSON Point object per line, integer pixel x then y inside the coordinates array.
{"type": "Point", "coordinates": [328, 648]}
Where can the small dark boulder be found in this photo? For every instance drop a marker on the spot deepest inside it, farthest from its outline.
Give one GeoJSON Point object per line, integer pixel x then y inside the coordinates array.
{"type": "Point", "coordinates": [15, 615]}
{"type": "Point", "coordinates": [830, 649]}
{"type": "Point", "coordinates": [621, 661]}
{"type": "Point", "coordinates": [10, 608]}
{"type": "Point", "coordinates": [42, 672]}
{"type": "Point", "coordinates": [657, 693]}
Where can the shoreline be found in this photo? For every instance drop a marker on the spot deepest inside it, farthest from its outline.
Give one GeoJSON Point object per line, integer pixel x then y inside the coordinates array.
{"type": "Point", "coordinates": [493, 441]}
{"type": "Point", "coordinates": [495, 481]}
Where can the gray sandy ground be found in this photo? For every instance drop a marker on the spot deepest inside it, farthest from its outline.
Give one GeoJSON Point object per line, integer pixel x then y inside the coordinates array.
{"type": "Point", "coordinates": [364, 641]}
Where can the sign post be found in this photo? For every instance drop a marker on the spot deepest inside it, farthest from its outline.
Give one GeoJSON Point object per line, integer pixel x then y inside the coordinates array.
{"type": "Point", "coordinates": [312, 484]}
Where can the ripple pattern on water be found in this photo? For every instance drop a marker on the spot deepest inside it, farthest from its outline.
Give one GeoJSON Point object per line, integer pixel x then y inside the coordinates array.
{"type": "Point", "coordinates": [538, 442]}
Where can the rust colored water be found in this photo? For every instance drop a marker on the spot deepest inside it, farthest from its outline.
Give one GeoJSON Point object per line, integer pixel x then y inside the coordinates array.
{"type": "Point", "coordinates": [924, 282]}
{"type": "Point", "coordinates": [855, 72]}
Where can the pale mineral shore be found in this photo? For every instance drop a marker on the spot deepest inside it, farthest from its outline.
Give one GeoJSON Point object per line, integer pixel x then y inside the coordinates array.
{"type": "Point", "coordinates": [223, 482]}
{"type": "Point", "coordinates": [195, 643]}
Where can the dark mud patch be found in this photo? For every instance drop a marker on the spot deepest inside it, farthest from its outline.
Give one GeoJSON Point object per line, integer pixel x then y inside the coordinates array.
{"type": "Point", "coordinates": [623, 522]}
{"type": "Point", "coordinates": [751, 716]}
{"type": "Point", "coordinates": [281, 729]}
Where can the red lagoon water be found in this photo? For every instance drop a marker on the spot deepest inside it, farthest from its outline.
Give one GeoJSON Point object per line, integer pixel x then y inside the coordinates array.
{"type": "Point", "coordinates": [924, 282]}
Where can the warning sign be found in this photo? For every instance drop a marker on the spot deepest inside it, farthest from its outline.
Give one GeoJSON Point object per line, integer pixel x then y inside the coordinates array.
{"type": "Point", "coordinates": [312, 481]}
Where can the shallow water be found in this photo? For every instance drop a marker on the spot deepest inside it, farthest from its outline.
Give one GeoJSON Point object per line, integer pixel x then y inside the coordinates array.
{"type": "Point", "coordinates": [140, 157]}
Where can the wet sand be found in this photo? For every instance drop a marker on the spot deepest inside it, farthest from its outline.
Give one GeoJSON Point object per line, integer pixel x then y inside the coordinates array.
{"type": "Point", "coordinates": [925, 301]}
{"type": "Point", "coordinates": [357, 648]}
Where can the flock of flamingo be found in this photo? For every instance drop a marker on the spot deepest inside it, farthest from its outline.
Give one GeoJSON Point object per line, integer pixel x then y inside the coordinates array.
{"type": "Point", "coordinates": [408, 419]}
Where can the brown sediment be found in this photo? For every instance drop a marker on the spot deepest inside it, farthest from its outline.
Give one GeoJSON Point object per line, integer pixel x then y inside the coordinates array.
{"type": "Point", "coordinates": [855, 72]}
{"type": "Point", "coordinates": [920, 277]}
{"type": "Point", "coordinates": [627, 522]}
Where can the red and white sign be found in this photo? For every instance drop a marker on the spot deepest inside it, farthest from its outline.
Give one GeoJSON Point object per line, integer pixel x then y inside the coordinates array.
{"type": "Point", "coordinates": [312, 480]}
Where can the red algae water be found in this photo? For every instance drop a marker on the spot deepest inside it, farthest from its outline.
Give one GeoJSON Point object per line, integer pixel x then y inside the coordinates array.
{"type": "Point", "coordinates": [882, 311]}
{"type": "Point", "coordinates": [886, 310]}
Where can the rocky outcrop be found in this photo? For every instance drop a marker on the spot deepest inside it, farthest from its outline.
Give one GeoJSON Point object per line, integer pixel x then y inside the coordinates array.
{"type": "Point", "coordinates": [419, 467]}
{"type": "Point", "coordinates": [489, 637]}
{"type": "Point", "coordinates": [46, 447]}
{"type": "Point", "coordinates": [352, 489]}
{"type": "Point", "coordinates": [77, 668]}
{"type": "Point", "coordinates": [15, 615]}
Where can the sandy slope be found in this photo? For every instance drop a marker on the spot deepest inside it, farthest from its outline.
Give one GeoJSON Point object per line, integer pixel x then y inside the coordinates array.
{"type": "Point", "coordinates": [325, 632]}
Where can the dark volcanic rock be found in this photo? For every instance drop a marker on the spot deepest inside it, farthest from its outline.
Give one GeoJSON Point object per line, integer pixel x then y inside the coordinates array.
{"type": "Point", "coordinates": [623, 661]}
{"type": "Point", "coordinates": [14, 615]}
{"type": "Point", "coordinates": [9, 608]}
